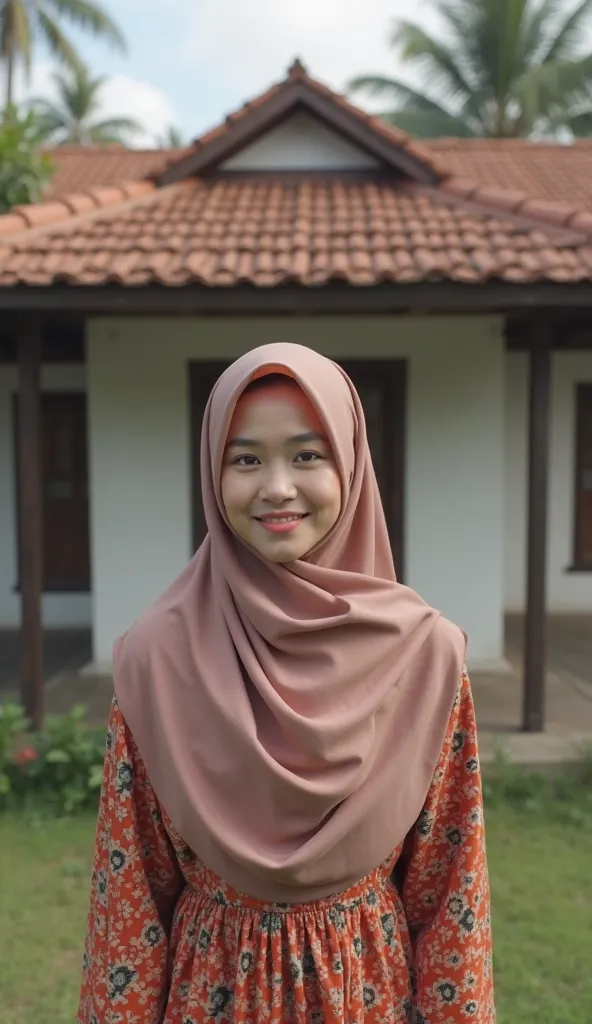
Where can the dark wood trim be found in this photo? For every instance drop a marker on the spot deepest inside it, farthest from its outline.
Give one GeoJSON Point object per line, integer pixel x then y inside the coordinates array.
{"type": "Point", "coordinates": [61, 341]}
{"type": "Point", "coordinates": [332, 299]}
{"type": "Point", "coordinates": [580, 568]}
{"type": "Point", "coordinates": [262, 117]}
{"type": "Point", "coordinates": [30, 519]}
{"type": "Point", "coordinates": [571, 331]}
{"type": "Point", "coordinates": [538, 475]}
{"type": "Point", "coordinates": [56, 588]}
{"type": "Point", "coordinates": [579, 564]}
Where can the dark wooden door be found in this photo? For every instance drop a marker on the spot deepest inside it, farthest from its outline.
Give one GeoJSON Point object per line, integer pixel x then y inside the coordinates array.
{"type": "Point", "coordinates": [382, 390]}
{"type": "Point", "coordinates": [66, 540]}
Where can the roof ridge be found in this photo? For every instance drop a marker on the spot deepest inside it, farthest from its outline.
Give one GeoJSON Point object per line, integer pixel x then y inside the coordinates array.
{"type": "Point", "coordinates": [547, 212]}
{"type": "Point", "coordinates": [50, 212]}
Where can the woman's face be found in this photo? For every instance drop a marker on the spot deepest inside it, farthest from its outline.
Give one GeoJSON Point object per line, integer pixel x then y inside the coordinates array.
{"type": "Point", "coordinates": [280, 485]}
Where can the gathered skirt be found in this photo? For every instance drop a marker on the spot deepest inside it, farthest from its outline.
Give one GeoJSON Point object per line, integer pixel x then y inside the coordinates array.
{"type": "Point", "coordinates": [346, 958]}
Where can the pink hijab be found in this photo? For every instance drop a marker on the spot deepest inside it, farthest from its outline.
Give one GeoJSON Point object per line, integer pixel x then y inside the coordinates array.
{"type": "Point", "coordinates": [291, 716]}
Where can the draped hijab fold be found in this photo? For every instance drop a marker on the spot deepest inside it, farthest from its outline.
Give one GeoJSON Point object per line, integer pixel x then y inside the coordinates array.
{"type": "Point", "coordinates": [291, 716]}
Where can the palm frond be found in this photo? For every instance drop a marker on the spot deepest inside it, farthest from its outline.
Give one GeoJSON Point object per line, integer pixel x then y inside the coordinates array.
{"type": "Point", "coordinates": [119, 124]}
{"type": "Point", "coordinates": [552, 86]}
{"type": "Point", "coordinates": [50, 124]}
{"type": "Point", "coordinates": [91, 17]}
{"type": "Point", "coordinates": [504, 67]}
{"type": "Point", "coordinates": [427, 124]}
{"type": "Point", "coordinates": [405, 96]}
{"type": "Point", "coordinates": [78, 91]}
{"type": "Point", "coordinates": [58, 43]}
{"type": "Point", "coordinates": [439, 60]}
{"type": "Point", "coordinates": [537, 29]}
{"type": "Point", "coordinates": [455, 15]}
{"type": "Point", "coordinates": [566, 43]}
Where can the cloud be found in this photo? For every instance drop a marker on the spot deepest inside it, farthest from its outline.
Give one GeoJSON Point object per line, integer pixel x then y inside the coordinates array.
{"type": "Point", "coordinates": [252, 44]}
{"type": "Point", "coordinates": [121, 96]}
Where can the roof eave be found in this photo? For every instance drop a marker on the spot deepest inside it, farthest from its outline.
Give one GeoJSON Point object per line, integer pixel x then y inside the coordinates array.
{"type": "Point", "coordinates": [335, 299]}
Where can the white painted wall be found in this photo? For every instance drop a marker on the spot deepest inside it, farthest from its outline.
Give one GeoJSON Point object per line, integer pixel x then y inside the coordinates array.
{"type": "Point", "coordinates": [300, 144]}
{"type": "Point", "coordinates": [567, 591]}
{"type": "Point", "coordinates": [140, 455]}
{"type": "Point", "coordinates": [58, 609]}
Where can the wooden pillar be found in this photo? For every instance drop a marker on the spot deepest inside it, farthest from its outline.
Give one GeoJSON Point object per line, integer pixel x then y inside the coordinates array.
{"type": "Point", "coordinates": [31, 516]}
{"type": "Point", "coordinates": [535, 648]}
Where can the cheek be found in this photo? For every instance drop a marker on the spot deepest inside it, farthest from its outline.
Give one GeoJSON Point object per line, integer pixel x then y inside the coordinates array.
{"type": "Point", "coordinates": [327, 492]}
{"type": "Point", "coordinates": [234, 490]}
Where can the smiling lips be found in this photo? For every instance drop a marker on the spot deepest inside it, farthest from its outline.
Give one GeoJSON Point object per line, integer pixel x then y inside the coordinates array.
{"type": "Point", "coordinates": [281, 522]}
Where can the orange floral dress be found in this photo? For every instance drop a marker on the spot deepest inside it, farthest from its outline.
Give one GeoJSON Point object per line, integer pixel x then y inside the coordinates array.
{"type": "Point", "coordinates": [169, 942]}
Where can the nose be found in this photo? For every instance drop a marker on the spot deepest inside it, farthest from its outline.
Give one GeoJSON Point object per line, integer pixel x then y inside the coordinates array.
{"type": "Point", "coordinates": [278, 485]}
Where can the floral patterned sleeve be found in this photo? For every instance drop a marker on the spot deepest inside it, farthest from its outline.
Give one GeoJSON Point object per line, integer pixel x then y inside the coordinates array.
{"type": "Point", "coordinates": [136, 881]}
{"type": "Point", "coordinates": [446, 887]}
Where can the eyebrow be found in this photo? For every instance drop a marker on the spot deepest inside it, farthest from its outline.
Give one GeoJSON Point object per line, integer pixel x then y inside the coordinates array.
{"type": "Point", "coordinates": [248, 442]}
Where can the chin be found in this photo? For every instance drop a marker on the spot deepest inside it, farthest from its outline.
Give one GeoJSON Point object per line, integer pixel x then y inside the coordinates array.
{"type": "Point", "coordinates": [280, 557]}
{"type": "Point", "coordinates": [279, 553]}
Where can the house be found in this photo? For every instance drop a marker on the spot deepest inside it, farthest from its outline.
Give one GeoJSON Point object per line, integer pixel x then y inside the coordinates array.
{"type": "Point", "coordinates": [452, 279]}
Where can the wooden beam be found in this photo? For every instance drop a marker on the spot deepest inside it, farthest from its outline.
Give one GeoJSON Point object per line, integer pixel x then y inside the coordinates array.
{"type": "Point", "coordinates": [31, 517]}
{"type": "Point", "coordinates": [535, 649]}
{"type": "Point", "coordinates": [334, 299]}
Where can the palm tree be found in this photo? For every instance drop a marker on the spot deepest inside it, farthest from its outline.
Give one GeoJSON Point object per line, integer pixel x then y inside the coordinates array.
{"type": "Point", "coordinates": [21, 21]}
{"type": "Point", "coordinates": [73, 118]}
{"type": "Point", "coordinates": [502, 68]}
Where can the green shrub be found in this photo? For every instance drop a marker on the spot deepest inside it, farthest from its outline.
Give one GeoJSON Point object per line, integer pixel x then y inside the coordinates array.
{"type": "Point", "coordinates": [58, 768]}
{"type": "Point", "coordinates": [25, 170]}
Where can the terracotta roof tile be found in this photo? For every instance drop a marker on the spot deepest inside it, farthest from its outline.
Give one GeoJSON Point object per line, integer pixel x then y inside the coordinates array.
{"type": "Point", "coordinates": [541, 170]}
{"type": "Point", "coordinates": [501, 167]}
{"type": "Point", "coordinates": [79, 168]}
{"type": "Point", "coordinates": [268, 232]}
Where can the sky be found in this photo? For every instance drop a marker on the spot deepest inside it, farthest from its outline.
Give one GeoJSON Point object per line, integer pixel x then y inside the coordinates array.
{"type": "Point", "coordinates": [191, 62]}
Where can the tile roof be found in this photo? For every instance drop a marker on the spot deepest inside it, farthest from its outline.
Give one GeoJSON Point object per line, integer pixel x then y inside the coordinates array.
{"type": "Point", "coordinates": [541, 170]}
{"type": "Point", "coordinates": [77, 168]}
{"type": "Point", "coordinates": [509, 210]}
{"type": "Point", "coordinates": [267, 232]}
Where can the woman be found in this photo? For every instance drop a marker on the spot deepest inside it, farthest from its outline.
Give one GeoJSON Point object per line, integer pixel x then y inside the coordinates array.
{"type": "Point", "coordinates": [291, 822]}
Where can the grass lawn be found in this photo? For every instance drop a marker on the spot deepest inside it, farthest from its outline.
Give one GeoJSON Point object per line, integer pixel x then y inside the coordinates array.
{"type": "Point", "coordinates": [541, 873]}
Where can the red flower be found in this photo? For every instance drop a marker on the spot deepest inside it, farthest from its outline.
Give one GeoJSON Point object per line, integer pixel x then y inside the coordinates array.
{"type": "Point", "coordinates": [25, 755]}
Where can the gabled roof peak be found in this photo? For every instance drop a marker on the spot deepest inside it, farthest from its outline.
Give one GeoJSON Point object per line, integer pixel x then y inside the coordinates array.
{"type": "Point", "coordinates": [394, 150]}
{"type": "Point", "coordinates": [297, 69]}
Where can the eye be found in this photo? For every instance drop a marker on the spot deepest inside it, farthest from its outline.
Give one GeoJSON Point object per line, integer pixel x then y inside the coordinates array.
{"type": "Point", "coordinates": [308, 457]}
{"type": "Point", "coordinates": [246, 461]}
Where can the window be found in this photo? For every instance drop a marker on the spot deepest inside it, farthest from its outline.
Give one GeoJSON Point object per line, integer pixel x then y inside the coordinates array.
{"type": "Point", "coordinates": [583, 498]}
